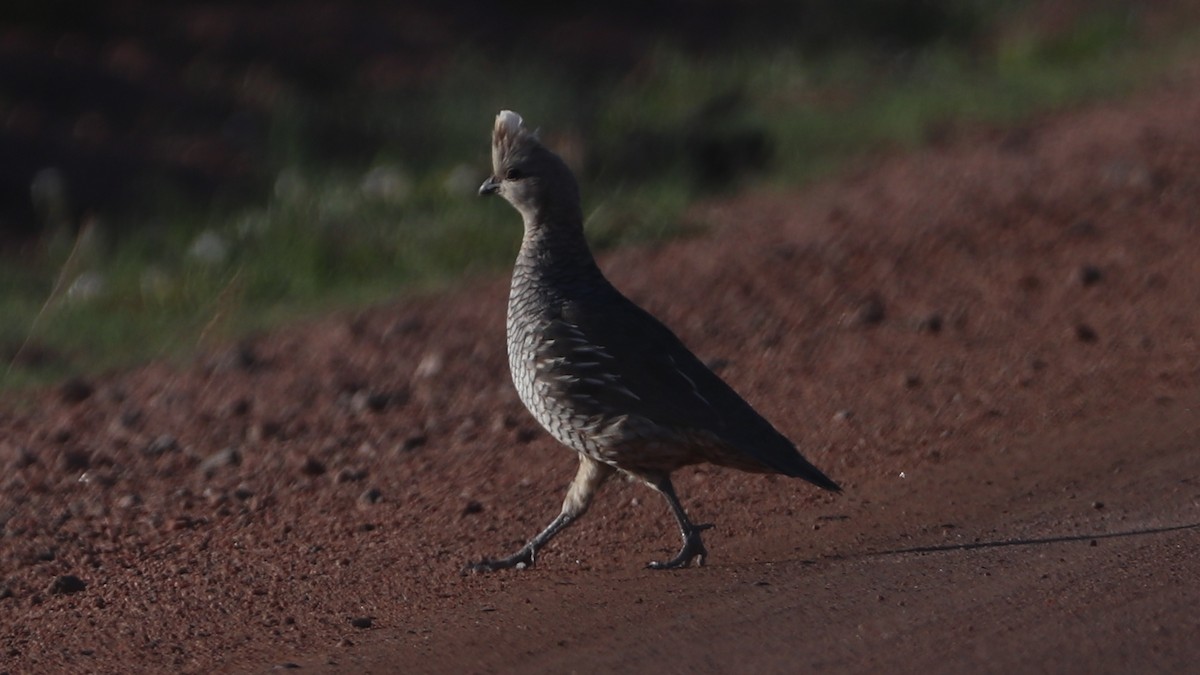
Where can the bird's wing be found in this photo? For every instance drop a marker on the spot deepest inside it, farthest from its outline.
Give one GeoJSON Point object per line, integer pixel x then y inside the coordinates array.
{"type": "Point", "coordinates": [616, 356]}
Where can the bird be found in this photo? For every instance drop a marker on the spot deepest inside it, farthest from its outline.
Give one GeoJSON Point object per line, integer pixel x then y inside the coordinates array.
{"type": "Point", "coordinates": [603, 376]}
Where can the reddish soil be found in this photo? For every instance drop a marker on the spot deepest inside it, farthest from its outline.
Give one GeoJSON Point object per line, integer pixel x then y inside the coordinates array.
{"type": "Point", "coordinates": [993, 344]}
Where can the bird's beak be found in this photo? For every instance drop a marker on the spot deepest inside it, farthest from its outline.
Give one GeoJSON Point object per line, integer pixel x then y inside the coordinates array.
{"type": "Point", "coordinates": [490, 186]}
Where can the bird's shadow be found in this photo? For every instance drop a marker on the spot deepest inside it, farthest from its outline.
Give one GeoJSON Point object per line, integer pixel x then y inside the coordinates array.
{"type": "Point", "coordinates": [1004, 543]}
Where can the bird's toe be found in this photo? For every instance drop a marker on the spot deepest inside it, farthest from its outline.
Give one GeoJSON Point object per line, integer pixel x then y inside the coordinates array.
{"type": "Point", "coordinates": [693, 549]}
{"type": "Point", "coordinates": [519, 560]}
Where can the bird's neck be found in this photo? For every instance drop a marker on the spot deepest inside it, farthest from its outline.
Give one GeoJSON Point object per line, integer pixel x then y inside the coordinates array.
{"type": "Point", "coordinates": [556, 247]}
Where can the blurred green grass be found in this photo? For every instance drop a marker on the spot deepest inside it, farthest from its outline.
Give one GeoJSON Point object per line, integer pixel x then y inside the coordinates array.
{"type": "Point", "coordinates": [646, 145]}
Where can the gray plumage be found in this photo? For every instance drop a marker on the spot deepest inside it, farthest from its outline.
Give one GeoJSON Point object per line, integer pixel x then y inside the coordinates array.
{"type": "Point", "coordinates": [603, 376]}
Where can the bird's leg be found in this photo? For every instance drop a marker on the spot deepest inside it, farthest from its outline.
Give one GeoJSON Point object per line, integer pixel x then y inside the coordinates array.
{"type": "Point", "coordinates": [693, 547]}
{"type": "Point", "coordinates": [588, 479]}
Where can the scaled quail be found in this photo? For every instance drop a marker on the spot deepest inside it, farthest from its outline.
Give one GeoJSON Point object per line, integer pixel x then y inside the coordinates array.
{"type": "Point", "coordinates": [602, 375]}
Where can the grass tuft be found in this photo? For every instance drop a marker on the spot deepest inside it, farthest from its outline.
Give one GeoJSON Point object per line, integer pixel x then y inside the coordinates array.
{"type": "Point", "coordinates": [676, 128]}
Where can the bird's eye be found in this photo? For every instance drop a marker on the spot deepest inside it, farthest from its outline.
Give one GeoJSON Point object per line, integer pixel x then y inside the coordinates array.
{"type": "Point", "coordinates": [513, 174]}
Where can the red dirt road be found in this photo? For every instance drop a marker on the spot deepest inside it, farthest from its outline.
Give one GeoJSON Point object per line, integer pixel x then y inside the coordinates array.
{"type": "Point", "coordinates": [1009, 565]}
{"type": "Point", "coordinates": [994, 345]}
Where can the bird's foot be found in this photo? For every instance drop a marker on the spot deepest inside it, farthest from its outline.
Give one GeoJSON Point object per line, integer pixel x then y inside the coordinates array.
{"type": "Point", "coordinates": [693, 549]}
{"type": "Point", "coordinates": [520, 560]}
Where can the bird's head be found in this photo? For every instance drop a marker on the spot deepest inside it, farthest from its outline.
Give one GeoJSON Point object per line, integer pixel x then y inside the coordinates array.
{"type": "Point", "coordinates": [531, 178]}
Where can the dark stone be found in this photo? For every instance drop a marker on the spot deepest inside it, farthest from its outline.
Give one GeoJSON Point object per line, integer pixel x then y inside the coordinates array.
{"type": "Point", "coordinates": [370, 497]}
{"type": "Point", "coordinates": [349, 475]}
{"type": "Point", "coordinates": [312, 467]}
{"type": "Point", "coordinates": [413, 442]}
{"type": "Point", "coordinates": [871, 311]}
{"type": "Point", "coordinates": [1086, 334]}
{"type": "Point", "coordinates": [161, 445]}
{"type": "Point", "coordinates": [76, 390]}
{"type": "Point", "coordinates": [67, 584]}
{"type": "Point", "coordinates": [240, 407]}
{"type": "Point", "coordinates": [75, 460]}
{"type": "Point", "coordinates": [931, 323]}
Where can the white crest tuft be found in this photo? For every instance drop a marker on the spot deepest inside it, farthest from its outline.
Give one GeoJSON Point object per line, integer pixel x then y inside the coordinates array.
{"type": "Point", "coordinates": [509, 122]}
{"type": "Point", "coordinates": [508, 137]}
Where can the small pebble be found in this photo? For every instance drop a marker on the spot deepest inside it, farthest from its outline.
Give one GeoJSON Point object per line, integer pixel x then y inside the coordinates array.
{"type": "Point", "coordinates": [128, 501]}
{"type": "Point", "coordinates": [162, 444]}
{"type": "Point", "coordinates": [1086, 334]}
{"type": "Point", "coordinates": [362, 622]}
{"type": "Point", "coordinates": [218, 460]}
{"type": "Point", "coordinates": [74, 461]}
{"type": "Point", "coordinates": [370, 497]}
{"type": "Point", "coordinates": [429, 366]}
{"type": "Point", "coordinates": [241, 358]}
{"type": "Point", "coordinates": [214, 497]}
{"type": "Point", "coordinates": [361, 401]}
{"type": "Point", "coordinates": [376, 402]}
{"type": "Point", "coordinates": [472, 507]}
{"type": "Point", "coordinates": [413, 442]}
{"type": "Point", "coordinates": [265, 430]}
{"type": "Point", "coordinates": [130, 418]}
{"type": "Point", "coordinates": [349, 475]}
{"type": "Point", "coordinates": [76, 390]}
{"type": "Point", "coordinates": [67, 584]}
{"type": "Point", "coordinates": [931, 323]}
{"type": "Point", "coordinates": [24, 458]}
{"type": "Point", "coordinates": [312, 467]}
{"type": "Point", "coordinates": [245, 357]}
{"type": "Point", "coordinates": [870, 312]}
{"type": "Point", "coordinates": [1089, 275]}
